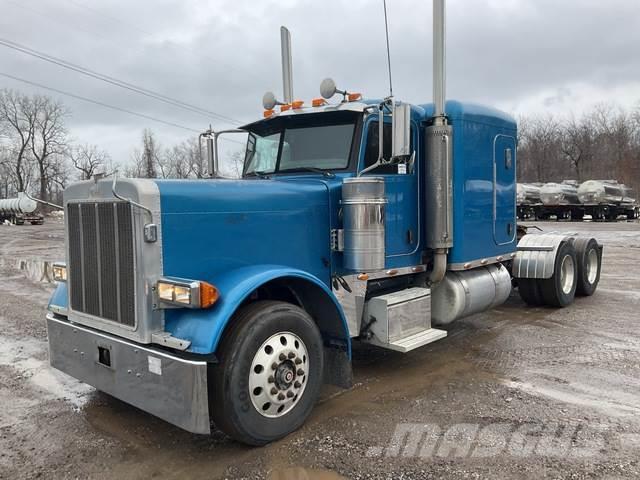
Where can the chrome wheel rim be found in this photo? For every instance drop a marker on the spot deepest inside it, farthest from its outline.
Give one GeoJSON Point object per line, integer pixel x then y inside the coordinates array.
{"type": "Point", "coordinates": [278, 375]}
{"type": "Point", "coordinates": [592, 265]}
{"type": "Point", "coordinates": [567, 274]}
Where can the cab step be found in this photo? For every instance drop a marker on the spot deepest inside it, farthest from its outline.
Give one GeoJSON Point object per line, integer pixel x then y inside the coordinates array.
{"type": "Point", "coordinates": [414, 341]}
{"type": "Point", "coordinates": [401, 320]}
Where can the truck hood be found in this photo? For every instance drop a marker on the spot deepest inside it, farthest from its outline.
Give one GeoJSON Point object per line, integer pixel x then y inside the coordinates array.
{"type": "Point", "coordinates": [210, 227]}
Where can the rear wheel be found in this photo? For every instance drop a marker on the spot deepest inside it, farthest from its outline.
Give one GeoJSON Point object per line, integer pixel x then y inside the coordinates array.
{"type": "Point", "coordinates": [589, 261]}
{"type": "Point", "coordinates": [560, 289]}
{"type": "Point", "coordinates": [530, 291]}
{"type": "Point", "coordinates": [270, 373]}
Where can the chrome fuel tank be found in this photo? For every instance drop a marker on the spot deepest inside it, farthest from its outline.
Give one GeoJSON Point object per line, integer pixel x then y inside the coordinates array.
{"type": "Point", "coordinates": [464, 293]}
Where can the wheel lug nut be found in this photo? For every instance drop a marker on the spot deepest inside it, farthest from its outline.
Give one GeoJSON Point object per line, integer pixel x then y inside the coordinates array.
{"type": "Point", "coordinates": [289, 394]}
{"type": "Point", "coordinates": [281, 396]}
{"type": "Point", "coordinates": [297, 361]}
{"type": "Point", "coordinates": [282, 357]}
{"type": "Point", "coordinates": [274, 390]}
{"type": "Point", "coordinates": [297, 384]}
{"type": "Point", "coordinates": [291, 355]}
{"type": "Point", "coordinates": [274, 366]}
{"type": "Point", "coordinates": [271, 379]}
{"type": "Point", "coordinates": [300, 371]}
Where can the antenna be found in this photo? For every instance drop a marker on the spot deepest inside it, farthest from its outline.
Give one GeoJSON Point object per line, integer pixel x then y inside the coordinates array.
{"type": "Point", "coordinates": [386, 28]}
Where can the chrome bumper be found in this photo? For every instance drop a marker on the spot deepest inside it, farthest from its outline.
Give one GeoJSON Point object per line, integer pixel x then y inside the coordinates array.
{"type": "Point", "coordinates": [166, 386]}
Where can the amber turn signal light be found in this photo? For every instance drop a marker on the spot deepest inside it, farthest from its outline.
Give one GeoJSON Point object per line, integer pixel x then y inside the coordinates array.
{"type": "Point", "coordinates": [208, 294]}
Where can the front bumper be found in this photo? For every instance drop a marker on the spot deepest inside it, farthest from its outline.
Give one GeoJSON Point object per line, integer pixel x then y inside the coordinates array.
{"type": "Point", "coordinates": [164, 385]}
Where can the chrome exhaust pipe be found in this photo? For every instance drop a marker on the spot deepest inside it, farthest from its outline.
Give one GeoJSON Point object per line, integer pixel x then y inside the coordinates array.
{"type": "Point", "coordinates": [439, 59]}
{"type": "Point", "coordinates": [287, 72]}
{"type": "Point", "coordinates": [439, 151]}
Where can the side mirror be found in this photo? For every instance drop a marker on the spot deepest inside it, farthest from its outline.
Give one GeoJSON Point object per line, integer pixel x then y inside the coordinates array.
{"type": "Point", "coordinates": [328, 88]}
{"type": "Point", "coordinates": [269, 101]}
{"type": "Point", "coordinates": [211, 160]}
{"type": "Point", "coordinates": [401, 130]}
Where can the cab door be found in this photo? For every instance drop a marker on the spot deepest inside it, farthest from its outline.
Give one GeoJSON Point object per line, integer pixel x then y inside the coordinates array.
{"type": "Point", "coordinates": [401, 190]}
{"type": "Point", "coordinates": [504, 189]}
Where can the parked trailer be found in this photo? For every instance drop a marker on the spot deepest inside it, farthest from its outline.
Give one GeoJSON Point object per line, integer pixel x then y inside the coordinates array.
{"type": "Point", "coordinates": [607, 200]}
{"type": "Point", "coordinates": [527, 200]}
{"type": "Point", "coordinates": [599, 199]}
{"type": "Point", "coordinates": [20, 210]}
{"type": "Point", "coordinates": [234, 300]}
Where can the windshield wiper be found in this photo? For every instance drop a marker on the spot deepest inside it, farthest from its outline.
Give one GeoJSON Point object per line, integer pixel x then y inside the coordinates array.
{"type": "Point", "coordinates": [256, 173]}
{"type": "Point", "coordinates": [324, 173]}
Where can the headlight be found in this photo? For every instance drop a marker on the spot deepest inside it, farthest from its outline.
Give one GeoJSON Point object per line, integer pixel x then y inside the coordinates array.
{"type": "Point", "coordinates": [186, 293]}
{"type": "Point", "coordinates": [59, 272]}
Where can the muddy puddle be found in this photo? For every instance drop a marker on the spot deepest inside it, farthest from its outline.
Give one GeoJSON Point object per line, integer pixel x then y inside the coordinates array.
{"type": "Point", "coordinates": [35, 269]}
{"type": "Point", "coordinates": [299, 473]}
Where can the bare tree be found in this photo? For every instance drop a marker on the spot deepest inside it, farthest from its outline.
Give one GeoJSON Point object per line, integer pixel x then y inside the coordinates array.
{"type": "Point", "coordinates": [18, 119]}
{"type": "Point", "coordinates": [578, 144]}
{"type": "Point", "coordinates": [150, 153]}
{"type": "Point", "coordinates": [49, 138]}
{"type": "Point", "coordinates": [89, 160]}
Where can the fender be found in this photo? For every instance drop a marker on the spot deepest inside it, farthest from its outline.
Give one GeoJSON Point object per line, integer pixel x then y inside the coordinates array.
{"type": "Point", "coordinates": [536, 254]}
{"type": "Point", "coordinates": [58, 303]}
{"type": "Point", "coordinates": [205, 327]}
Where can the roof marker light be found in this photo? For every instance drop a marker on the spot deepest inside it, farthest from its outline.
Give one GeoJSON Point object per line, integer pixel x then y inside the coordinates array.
{"type": "Point", "coordinates": [318, 102]}
{"type": "Point", "coordinates": [352, 97]}
{"type": "Point", "coordinates": [268, 113]}
{"type": "Point", "coordinates": [285, 107]}
{"type": "Point", "coordinates": [297, 104]}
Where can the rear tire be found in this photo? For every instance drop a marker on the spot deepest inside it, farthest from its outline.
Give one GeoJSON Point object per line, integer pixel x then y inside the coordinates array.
{"type": "Point", "coordinates": [529, 291]}
{"type": "Point", "coordinates": [269, 375]}
{"type": "Point", "coordinates": [560, 289]}
{"type": "Point", "coordinates": [589, 258]}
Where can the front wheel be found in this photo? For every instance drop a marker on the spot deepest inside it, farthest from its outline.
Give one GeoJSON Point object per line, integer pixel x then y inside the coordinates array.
{"type": "Point", "coordinates": [270, 373]}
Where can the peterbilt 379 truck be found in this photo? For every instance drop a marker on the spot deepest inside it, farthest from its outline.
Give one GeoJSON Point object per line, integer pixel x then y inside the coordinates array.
{"type": "Point", "coordinates": [233, 301]}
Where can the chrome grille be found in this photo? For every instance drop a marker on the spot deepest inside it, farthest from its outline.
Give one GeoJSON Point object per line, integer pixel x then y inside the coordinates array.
{"type": "Point", "coordinates": [101, 260]}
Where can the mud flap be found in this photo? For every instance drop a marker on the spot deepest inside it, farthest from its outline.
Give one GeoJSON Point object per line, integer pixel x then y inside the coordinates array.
{"type": "Point", "coordinates": [337, 367]}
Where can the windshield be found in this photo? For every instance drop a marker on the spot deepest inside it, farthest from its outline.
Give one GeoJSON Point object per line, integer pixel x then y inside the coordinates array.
{"type": "Point", "coordinates": [312, 142]}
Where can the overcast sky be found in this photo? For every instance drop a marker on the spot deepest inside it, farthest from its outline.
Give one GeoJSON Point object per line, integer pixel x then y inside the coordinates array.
{"type": "Point", "coordinates": [523, 56]}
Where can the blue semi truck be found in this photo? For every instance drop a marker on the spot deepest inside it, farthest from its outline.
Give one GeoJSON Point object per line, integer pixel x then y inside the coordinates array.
{"type": "Point", "coordinates": [232, 301]}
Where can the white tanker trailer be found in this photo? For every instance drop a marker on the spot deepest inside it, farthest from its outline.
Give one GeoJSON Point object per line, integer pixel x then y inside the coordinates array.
{"type": "Point", "coordinates": [527, 200]}
{"type": "Point", "coordinates": [20, 210]}
{"type": "Point", "coordinates": [604, 192]}
{"type": "Point", "coordinates": [559, 194]}
{"type": "Point", "coordinates": [528, 194]}
{"type": "Point", "coordinates": [601, 199]}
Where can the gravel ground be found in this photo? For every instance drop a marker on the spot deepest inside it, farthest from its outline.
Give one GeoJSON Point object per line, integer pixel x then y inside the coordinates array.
{"type": "Point", "coordinates": [512, 393]}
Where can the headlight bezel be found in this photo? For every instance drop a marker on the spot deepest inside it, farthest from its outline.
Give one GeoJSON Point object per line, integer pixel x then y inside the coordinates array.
{"type": "Point", "coordinates": [182, 293]}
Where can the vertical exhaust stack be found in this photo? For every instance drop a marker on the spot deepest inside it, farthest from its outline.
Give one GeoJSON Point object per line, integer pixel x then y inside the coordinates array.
{"type": "Point", "coordinates": [439, 151]}
{"type": "Point", "coordinates": [439, 59]}
{"type": "Point", "coordinates": [287, 73]}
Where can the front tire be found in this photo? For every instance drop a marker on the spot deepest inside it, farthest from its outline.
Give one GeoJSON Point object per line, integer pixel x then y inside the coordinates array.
{"type": "Point", "coordinates": [270, 373]}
